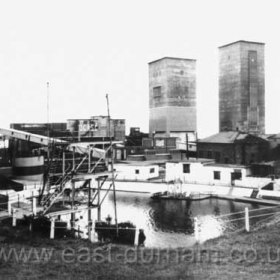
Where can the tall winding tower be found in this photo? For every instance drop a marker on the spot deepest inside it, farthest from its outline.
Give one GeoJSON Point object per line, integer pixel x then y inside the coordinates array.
{"type": "Point", "coordinates": [172, 92]}
{"type": "Point", "coordinates": [242, 87]}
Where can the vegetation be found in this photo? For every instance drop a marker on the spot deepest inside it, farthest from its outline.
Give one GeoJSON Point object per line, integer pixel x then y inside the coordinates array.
{"type": "Point", "coordinates": [254, 255]}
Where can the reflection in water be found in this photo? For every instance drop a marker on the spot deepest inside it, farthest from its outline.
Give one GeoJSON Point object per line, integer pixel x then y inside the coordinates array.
{"type": "Point", "coordinates": [171, 215]}
{"type": "Point", "coordinates": [170, 222]}
{"type": "Point", "coordinates": [209, 227]}
{"type": "Point", "coordinates": [217, 210]}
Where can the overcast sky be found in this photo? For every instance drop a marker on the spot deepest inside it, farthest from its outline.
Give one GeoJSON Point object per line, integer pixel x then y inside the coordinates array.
{"type": "Point", "coordinates": [86, 49]}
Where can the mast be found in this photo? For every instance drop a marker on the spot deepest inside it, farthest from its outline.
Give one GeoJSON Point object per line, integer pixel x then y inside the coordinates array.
{"type": "Point", "coordinates": [48, 117]}
{"type": "Point", "coordinates": [112, 165]}
{"type": "Point", "coordinates": [48, 108]}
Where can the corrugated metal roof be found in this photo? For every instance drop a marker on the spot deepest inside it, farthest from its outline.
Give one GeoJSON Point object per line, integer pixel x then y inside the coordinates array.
{"type": "Point", "coordinates": [237, 166]}
{"type": "Point", "coordinates": [193, 160]}
{"type": "Point", "coordinates": [229, 137]}
{"type": "Point", "coordinates": [223, 137]}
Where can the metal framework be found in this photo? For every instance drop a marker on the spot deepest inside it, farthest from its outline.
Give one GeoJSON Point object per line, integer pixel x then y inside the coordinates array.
{"type": "Point", "coordinates": [31, 137]}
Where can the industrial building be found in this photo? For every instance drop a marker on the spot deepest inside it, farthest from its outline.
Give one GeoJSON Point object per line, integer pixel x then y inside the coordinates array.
{"type": "Point", "coordinates": [96, 128]}
{"type": "Point", "coordinates": [172, 99]}
{"type": "Point", "coordinates": [57, 130]}
{"type": "Point", "coordinates": [204, 171]}
{"type": "Point", "coordinates": [234, 147]}
{"type": "Point", "coordinates": [30, 158]}
{"type": "Point", "coordinates": [242, 87]}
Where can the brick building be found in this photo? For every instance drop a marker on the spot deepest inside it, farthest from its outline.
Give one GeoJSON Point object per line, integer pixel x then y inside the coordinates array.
{"type": "Point", "coordinates": [234, 148]}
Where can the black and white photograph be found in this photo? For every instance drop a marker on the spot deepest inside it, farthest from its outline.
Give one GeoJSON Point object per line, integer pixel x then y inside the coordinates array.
{"type": "Point", "coordinates": [139, 139]}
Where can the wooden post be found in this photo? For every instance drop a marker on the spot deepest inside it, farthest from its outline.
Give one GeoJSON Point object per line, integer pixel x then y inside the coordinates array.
{"type": "Point", "coordinates": [89, 210]}
{"type": "Point", "coordinates": [89, 158]}
{"type": "Point", "coordinates": [187, 145]}
{"type": "Point", "coordinates": [14, 217]}
{"type": "Point", "coordinates": [72, 205]}
{"type": "Point", "coordinates": [98, 202]}
{"type": "Point", "coordinates": [63, 176]}
{"type": "Point", "coordinates": [73, 159]}
{"type": "Point", "coordinates": [90, 238]}
{"type": "Point", "coordinates": [196, 230]}
{"type": "Point", "coordinates": [63, 163]}
{"type": "Point", "coordinates": [136, 236]}
{"type": "Point", "coordinates": [91, 232]}
{"type": "Point", "coordinates": [68, 224]}
{"type": "Point", "coordinates": [94, 235]}
{"type": "Point", "coordinates": [34, 208]}
{"type": "Point", "coordinates": [52, 228]}
{"type": "Point", "coordinates": [18, 200]}
{"type": "Point", "coordinates": [247, 221]}
{"type": "Point", "coordinates": [9, 207]}
{"type": "Point", "coordinates": [32, 202]}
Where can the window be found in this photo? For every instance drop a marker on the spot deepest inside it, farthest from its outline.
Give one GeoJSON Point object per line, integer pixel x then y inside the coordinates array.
{"type": "Point", "coordinates": [237, 174]}
{"type": "Point", "coordinates": [209, 154]}
{"type": "Point", "coordinates": [156, 73]}
{"type": "Point", "coordinates": [186, 168]}
{"type": "Point", "coordinates": [152, 170]}
{"type": "Point", "coordinates": [217, 175]}
{"type": "Point", "coordinates": [157, 92]}
{"type": "Point", "coordinates": [226, 160]}
{"type": "Point", "coordinates": [137, 171]}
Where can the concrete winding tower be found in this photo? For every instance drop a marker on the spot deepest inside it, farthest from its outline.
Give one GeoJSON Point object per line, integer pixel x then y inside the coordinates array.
{"type": "Point", "coordinates": [172, 92]}
{"type": "Point", "coordinates": [242, 87]}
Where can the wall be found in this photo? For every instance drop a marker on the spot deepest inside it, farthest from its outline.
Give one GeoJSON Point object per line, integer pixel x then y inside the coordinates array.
{"type": "Point", "coordinates": [201, 174]}
{"type": "Point", "coordinates": [226, 152]}
{"type": "Point", "coordinates": [239, 153]}
{"type": "Point", "coordinates": [127, 172]}
{"type": "Point", "coordinates": [257, 182]}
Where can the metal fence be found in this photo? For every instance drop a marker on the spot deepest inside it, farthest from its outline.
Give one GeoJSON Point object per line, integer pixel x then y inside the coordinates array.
{"type": "Point", "coordinates": [247, 220]}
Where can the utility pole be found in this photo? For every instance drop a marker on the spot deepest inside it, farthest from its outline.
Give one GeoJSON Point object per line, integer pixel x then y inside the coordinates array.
{"type": "Point", "coordinates": [187, 145]}
{"type": "Point", "coordinates": [112, 166]}
{"type": "Point", "coordinates": [48, 105]}
{"type": "Point", "coordinates": [196, 145]}
{"type": "Point", "coordinates": [48, 135]}
{"type": "Point", "coordinates": [48, 116]}
{"type": "Point", "coordinates": [89, 210]}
